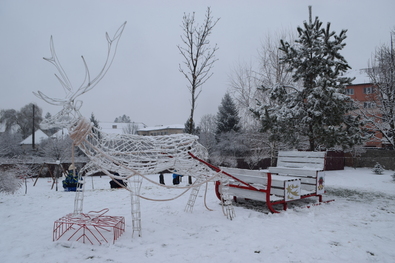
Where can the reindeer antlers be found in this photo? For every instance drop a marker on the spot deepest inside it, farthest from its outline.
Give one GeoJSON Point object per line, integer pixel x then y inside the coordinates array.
{"type": "Point", "coordinates": [87, 84]}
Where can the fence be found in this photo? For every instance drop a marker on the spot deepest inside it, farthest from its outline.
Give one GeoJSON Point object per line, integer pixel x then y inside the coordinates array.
{"type": "Point", "coordinates": [372, 156]}
{"type": "Point", "coordinates": [337, 160]}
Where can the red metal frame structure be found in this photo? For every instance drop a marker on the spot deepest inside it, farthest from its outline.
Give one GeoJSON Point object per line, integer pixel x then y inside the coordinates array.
{"type": "Point", "coordinates": [246, 186]}
{"type": "Point", "coordinates": [89, 227]}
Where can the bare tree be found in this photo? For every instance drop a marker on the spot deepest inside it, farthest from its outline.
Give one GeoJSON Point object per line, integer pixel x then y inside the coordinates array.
{"type": "Point", "coordinates": [271, 71]}
{"type": "Point", "coordinates": [243, 88]}
{"type": "Point", "coordinates": [57, 148]}
{"type": "Point", "coordinates": [10, 146]}
{"type": "Point", "coordinates": [8, 118]}
{"type": "Point", "coordinates": [130, 128]}
{"type": "Point", "coordinates": [24, 171]}
{"type": "Point", "coordinates": [29, 117]}
{"type": "Point", "coordinates": [249, 87]}
{"type": "Point", "coordinates": [207, 127]}
{"type": "Point", "coordinates": [199, 56]}
{"type": "Point", "coordinates": [245, 81]}
{"type": "Point", "coordinates": [381, 114]}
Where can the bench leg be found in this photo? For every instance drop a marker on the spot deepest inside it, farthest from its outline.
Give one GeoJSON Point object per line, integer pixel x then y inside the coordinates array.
{"type": "Point", "coordinates": [285, 206]}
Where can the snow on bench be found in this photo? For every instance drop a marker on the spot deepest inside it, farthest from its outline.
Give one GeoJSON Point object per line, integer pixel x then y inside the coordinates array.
{"type": "Point", "coordinates": [308, 166]}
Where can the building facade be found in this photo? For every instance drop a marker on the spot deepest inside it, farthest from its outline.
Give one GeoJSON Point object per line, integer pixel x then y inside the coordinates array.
{"type": "Point", "coordinates": [161, 130]}
{"type": "Point", "coordinates": [365, 94]}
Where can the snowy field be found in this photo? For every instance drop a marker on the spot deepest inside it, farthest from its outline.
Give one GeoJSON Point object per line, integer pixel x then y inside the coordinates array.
{"type": "Point", "coordinates": [359, 226]}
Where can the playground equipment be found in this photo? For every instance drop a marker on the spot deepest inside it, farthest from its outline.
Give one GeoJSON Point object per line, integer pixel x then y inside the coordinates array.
{"type": "Point", "coordinates": [51, 166]}
{"type": "Point", "coordinates": [131, 156]}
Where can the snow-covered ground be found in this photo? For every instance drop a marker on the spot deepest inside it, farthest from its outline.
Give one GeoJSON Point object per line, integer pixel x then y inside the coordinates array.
{"type": "Point", "coordinates": [359, 226]}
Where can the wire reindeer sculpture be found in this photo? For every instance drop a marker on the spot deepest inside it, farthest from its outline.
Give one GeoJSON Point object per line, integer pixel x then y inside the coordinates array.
{"type": "Point", "coordinates": [131, 157]}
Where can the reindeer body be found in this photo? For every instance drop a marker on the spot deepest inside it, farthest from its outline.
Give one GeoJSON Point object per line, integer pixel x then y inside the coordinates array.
{"type": "Point", "coordinates": [131, 156]}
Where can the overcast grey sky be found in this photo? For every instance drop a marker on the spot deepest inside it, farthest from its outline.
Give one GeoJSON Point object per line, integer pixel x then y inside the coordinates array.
{"type": "Point", "coordinates": [144, 81]}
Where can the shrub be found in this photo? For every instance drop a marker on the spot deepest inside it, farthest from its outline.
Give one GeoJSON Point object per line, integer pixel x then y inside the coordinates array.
{"type": "Point", "coordinates": [9, 183]}
{"type": "Point", "coordinates": [378, 169]}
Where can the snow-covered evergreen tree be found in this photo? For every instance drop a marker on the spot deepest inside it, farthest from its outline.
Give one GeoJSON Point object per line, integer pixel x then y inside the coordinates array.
{"type": "Point", "coordinates": [230, 139]}
{"type": "Point", "coordinates": [378, 168]}
{"type": "Point", "coordinates": [319, 110]}
{"type": "Point", "coordinates": [227, 116]}
{"type": "Point", "coordinates": [95, 123]}
{"type": "Point", "coordinates": [189, 127]}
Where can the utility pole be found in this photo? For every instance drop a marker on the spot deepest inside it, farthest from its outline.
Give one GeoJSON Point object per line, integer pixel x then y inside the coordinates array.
{"type": "Point", "coordinates": [33, 128]}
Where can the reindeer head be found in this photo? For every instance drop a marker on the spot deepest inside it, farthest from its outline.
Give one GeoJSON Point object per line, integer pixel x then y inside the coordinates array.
{"type": "Point", "coordinates": [70, 112]}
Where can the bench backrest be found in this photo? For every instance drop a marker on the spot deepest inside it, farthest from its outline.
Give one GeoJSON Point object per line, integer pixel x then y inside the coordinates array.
{"type": "Point", "coordinates": [295, 159]}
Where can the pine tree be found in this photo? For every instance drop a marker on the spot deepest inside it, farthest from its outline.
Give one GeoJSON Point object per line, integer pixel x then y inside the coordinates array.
{"type": "Point", "coordinates": [229, 139]}
{"type": "Point", "coordinates": [94, 121]}
{"type": "Point", "coordinates": [227, 116]}
{"type": "Point", "coordinates": [123, 119]}
{"type": "Point", "coordinates": [319, 110]}
{"type": "Point", "coordinates": [190, 127]}
{"type": "Point", "coordinates": [378, 168]}
{"type": "Point", "coordinates": [95, 125]}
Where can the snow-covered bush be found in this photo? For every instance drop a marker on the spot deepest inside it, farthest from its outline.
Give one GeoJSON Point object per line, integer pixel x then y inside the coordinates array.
{"type": "Point", "coordinates": [220, 160]}
{"type": "Point", "coordinates": [9, 183]}
{"type": "Point", "coordinates": [378, 169]}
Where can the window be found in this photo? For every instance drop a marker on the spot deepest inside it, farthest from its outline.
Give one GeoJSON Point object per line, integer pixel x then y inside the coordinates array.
{"type": "Point", "coordinates": [349, 91]}
{"type": "Point", "coordinates": [369, 105]}
{"type": "Point", "coordinates": [114, 126]}
{"type": "Point", "coordinates": [368, 90]}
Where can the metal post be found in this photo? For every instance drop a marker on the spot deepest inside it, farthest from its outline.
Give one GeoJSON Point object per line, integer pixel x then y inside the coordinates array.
{"type": "Point", "coordinates": [56, 174]}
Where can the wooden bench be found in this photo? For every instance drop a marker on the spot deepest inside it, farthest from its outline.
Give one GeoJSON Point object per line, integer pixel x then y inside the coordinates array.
{"type": "Point", "coordinates": [308, 166]}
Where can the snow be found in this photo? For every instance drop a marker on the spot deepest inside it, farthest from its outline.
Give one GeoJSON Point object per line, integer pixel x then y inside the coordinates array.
{"type": "Point", "coordinates": [162, 127]}
{"type": "Point", "coordinates": [39, 135]}
{"type": "Point", "coordinates": [61, 133]}
{"type": "Point", "coordinates": [359, 226]}
{"type": "Point", "coordinates": [118, 127]}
